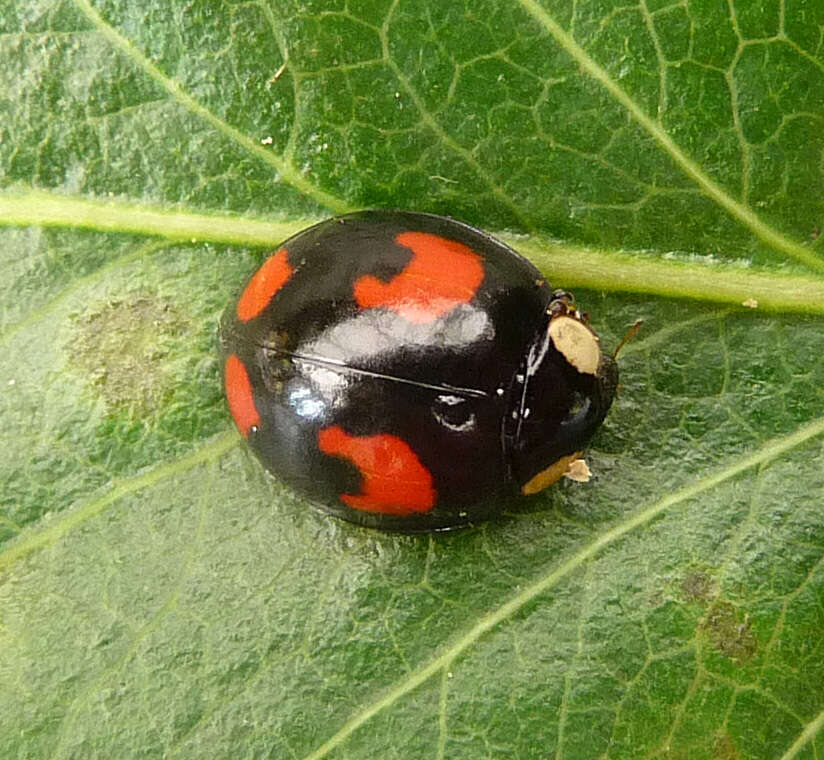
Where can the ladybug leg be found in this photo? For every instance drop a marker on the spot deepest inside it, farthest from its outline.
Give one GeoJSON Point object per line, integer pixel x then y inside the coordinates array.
{"type": "Point", "coordinates": [563, 305]}
{"type": "Point", "coordinates": [563, 295]}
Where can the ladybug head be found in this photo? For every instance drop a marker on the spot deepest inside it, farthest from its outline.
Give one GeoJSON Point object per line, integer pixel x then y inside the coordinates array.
{"type": "Point", "coordinates": [561, 395]}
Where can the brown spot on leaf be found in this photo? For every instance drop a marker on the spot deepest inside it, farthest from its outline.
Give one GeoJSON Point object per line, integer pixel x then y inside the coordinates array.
{"type": "Point", "coordinates": [724, 748]}
{"type": "Point", "coordinates": [697, 586]}
{"type": "Point", "coordinates": [729, 633]}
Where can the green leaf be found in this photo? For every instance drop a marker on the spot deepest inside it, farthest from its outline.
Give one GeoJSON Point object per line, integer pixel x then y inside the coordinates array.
{"type": "Point", "coordinates": [160, 596]}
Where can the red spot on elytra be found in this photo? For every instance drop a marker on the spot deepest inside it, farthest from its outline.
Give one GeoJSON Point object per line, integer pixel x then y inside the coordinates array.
{"type": "Point", "coordinates": [240, 396]}
{"type": "Point", "coordinates": [267, 281]}
{"type": "Point", "coordinates": [442, 274]}
{"type": "Point", "coordinates": [393, 480]}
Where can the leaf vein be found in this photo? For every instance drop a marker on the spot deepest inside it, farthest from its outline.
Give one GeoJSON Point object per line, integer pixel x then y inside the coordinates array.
{"type": "Point", "coordinates": [285, 169]}
{"type": "Point", "coordinates": [712, 189]}
{"type": "Point", "coordinates": [771, 450]}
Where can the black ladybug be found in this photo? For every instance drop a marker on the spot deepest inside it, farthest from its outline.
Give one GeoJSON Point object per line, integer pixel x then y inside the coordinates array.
{"type": "Point", "coordinates": [408, 372]}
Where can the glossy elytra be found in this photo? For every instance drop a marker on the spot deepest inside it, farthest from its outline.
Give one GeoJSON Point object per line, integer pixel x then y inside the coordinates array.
{"type": "Point", "coordinates": [409, 372]}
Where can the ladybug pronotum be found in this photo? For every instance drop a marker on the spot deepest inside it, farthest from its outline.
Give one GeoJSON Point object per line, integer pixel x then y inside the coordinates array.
{"type": "Point", "coordinates": [408, 372]}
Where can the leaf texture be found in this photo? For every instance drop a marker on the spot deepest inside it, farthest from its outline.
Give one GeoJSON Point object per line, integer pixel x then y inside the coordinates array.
{"type": "Point", "coordinates": [161, 597]}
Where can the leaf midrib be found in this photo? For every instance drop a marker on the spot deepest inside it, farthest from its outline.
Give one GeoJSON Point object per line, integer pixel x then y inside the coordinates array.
{"type": "Point", "coordinates": [290, 174]}
{"type": "Point", "coordinates": [569, 265]}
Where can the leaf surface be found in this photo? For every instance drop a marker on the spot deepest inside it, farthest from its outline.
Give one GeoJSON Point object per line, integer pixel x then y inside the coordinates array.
{"type": "Point", "coordinates": [160, 596]}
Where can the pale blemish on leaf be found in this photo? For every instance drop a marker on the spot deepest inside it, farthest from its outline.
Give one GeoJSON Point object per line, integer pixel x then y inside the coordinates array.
{"type": "Point", "coordinates": [697, 586]}
{"type": "Point", "coordinates": [122, 348]}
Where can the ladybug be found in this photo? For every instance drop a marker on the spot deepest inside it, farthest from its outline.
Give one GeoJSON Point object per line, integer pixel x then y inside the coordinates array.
{"type": "Point", "coordinates": [408, 372]}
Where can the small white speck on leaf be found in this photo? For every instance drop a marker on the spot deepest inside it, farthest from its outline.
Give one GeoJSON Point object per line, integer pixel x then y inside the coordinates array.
{"type": "Point", "coordinates": [278, 73]}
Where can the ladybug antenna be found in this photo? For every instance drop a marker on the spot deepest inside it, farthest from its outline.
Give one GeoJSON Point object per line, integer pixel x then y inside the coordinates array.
{"type": "Point", "coordinates": [628, 337]}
